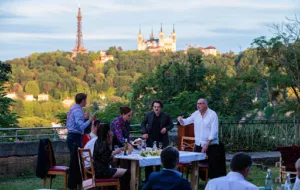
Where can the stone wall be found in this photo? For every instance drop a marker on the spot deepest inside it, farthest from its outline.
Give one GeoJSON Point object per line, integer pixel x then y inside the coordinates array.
{"type": "Point", "coordinates": [20, 158]}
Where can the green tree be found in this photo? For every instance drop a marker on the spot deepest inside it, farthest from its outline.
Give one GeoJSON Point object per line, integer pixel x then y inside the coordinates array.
{"type": "Point", "coordinates": [7, 118]}
{"type": "Point", "coordinates": [32, 87]}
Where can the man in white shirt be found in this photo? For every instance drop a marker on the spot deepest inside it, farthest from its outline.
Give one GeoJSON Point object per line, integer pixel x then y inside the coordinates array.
{"type": "Point", "coordinates": [206, 128]}
{"type": "Point", "coordinates": [236, 179]}
{"type": "Point", "coordinates": [297, 182]}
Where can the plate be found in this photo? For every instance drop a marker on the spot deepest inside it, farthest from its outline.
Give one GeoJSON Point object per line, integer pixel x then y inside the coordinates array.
{"type": "Point", "coordinates": [136, 141]}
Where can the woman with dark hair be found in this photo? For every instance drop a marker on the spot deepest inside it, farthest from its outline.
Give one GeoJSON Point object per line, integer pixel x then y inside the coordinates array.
{"type": "Point", "coordinates": [103, 156]}
{"type": "Point", "coordinates": [120, 126]}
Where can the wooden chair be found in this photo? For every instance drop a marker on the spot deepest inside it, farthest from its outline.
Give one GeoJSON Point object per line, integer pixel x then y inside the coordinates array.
{"type": "Point", "coordinates": [84, 155]}
{"type": "Point", "coordinates": [288, 157]}
{"type": "Point", "coordinates": [55, 170]}
{"type": "Point", "coordinates": [189, 145]}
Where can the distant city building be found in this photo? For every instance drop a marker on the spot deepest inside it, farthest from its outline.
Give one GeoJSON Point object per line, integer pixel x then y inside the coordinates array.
{"type": "Point", "coordinates": [11, 95]}
{"type": "Point", "coordinates": [210, 50]}
{"type": "Point", "coordinates": [43, 97]}
{"type": "Point", "coordinates": [156, 45]}
{"type": "Point", "coordinates": [79, 40]}
{"type": "Point", "coordinates": [104, 57]}
{"type": "Point", "coordinates": [29, 97]}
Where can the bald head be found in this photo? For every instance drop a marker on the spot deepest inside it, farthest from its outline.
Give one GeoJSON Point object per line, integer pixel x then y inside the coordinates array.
{"type": "Point", "coordinates": [202, 105]}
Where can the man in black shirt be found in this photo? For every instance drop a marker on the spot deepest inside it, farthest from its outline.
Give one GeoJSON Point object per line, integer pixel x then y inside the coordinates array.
{"type": "Point", "coordinates": [155, 127]}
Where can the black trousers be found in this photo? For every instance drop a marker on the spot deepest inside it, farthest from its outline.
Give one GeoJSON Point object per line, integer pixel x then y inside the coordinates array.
{"type": "Point", "coordinates": [216, 160]}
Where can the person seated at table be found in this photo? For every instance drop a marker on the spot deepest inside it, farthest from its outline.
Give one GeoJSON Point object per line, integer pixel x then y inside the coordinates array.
{"type": "Point", "coordinates": [86, 137]}
{"type": "Point", "coordinates": [169, 178]}
{"type": "Point", "coordinates": [90, 145]}
{"type": "Point", "coordinates": [236, 179]}
{"type": "Point", "coordinates": [103, 156]}
{"type": "Point", "coordinates": [120, 127]}
{"type": "Point", "coordinates": [297, 182]}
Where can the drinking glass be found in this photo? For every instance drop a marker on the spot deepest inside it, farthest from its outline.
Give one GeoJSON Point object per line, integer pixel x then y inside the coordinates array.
{"type": "Point", "coordinates": [144, 145]}
{"type": "Point", "coordinates": [160, 145]}
{"type": "Point", "coordinates": [182, 147]}
{"type": "Point", "coordinates": [116, 147]}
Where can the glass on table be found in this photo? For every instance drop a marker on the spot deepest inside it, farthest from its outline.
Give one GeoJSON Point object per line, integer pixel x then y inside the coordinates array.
{"type": "Point", "coordinates": [160, 145]}
{"type": "Point", "coordinates": [182, 147]}
{"type": "Point", "coordinates": [116, 147]}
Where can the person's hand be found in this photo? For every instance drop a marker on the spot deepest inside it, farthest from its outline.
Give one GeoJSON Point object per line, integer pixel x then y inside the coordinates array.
{"type": "Point", "coordinates": [204, 148]}
{"type": "Point", "coordinates": [179, 119]}
{"type": "Point", "coordinates": [117, 151]}
{"type": "Point", "coordinates": [145, 136]}
{"type": "Point", "coordinates": [130, 148]}
{"type": "Point", "coordinates": [163, 131]}
{"type": "Point", "coordinates": [92, 117]}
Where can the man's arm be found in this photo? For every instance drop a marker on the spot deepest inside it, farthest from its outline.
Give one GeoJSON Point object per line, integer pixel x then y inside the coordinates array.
{"type": "Point", "coordinates": [186, 121]}
{"type": "Point", "coordinates": [79, 120]}
{"type": "Point", "coordinates": [214, 129]}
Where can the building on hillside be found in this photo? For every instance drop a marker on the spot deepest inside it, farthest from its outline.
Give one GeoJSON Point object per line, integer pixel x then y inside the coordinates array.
{"type": "Point", "coordinates": [11, 95]}
{"type": "Point", "coordinates": [104, 57]}
{"type": "Point", "coordinates": [79, 39]}
{"type": "Point", "coordinates": [210, 50]}
{"type": "Point", "coordinates": [43, 97]}
{"type": "Point", "coordinates": [68, 102]}
{"type": "Point", "coordinates": [29, 97]}
{"type": "Point", "coordinates": [155, 45]}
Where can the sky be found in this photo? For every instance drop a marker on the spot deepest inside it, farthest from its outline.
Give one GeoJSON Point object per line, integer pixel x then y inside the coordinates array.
{"type": "Point", "coordinates": [29, 26]}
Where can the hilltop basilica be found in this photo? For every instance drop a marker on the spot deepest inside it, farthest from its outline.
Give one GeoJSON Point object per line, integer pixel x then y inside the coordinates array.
{"type": "Point", "coordinates": [155, 45]}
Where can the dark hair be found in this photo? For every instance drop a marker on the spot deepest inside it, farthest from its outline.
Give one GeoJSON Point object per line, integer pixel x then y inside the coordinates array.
{"type": "Point", "coordinates": [240, 161]}
{"type": "Point", "coordinates": [125, 110]}
{"type": "Point", "coordinates": [88, 129]}
{"type": "Point", "coordinates": [80, 97]}
{"type": "Point", "coordinates": [102, 131]}
{"type": "Point", "coordinates": [169, 157]}
{"type": "Point", "coordinates": [159, 102]}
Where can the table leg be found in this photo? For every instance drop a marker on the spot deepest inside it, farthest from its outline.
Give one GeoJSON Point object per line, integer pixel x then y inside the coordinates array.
{"type": "Point", "coordinates": [134, 169]}
{"type": "Point", "coordinates": [195, 175]}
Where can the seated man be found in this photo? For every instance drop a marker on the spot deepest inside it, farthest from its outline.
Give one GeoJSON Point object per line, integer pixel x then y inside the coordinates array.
{"type": "Point", "coordinates": [297, 182]}
{"type": "Point", "coordinates": [236, 179]}
{"type": "Point", "coordinates": [169, 178]}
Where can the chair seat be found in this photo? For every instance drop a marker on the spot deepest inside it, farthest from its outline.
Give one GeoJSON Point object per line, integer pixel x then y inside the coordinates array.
{"type": "Point", "coordinates": [100, 180]}
{"type": "Point", "coordinates": [59, 168]}
{"type": "Point", "coordinates": [203, 165]}
{"type": "Point", "coordinates": [185, 163]}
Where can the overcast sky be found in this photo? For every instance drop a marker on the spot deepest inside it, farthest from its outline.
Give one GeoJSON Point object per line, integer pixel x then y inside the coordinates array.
{"type": "Point", "coordinates": [28, 26]}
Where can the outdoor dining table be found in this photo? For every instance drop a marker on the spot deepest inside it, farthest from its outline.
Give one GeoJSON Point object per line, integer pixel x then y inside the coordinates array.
{"type": "Point", "coordinates": [137, 161]}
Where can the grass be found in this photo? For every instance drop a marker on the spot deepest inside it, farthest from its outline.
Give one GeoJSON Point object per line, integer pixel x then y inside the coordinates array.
{"type": "Point", "coordinates": [257, 177]}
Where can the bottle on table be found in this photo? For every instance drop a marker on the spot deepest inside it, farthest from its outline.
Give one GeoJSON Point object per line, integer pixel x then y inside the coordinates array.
{"type": "Point", "coordinates": [126, 148]}
{"type": "Point", "coordinates": [268, 181]}
{"type": "Point", "coordinates": [288, 184]}
{"type": "Point", "coordinates": [154, 148]}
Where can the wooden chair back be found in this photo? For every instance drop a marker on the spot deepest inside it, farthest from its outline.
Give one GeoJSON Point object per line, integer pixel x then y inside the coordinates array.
{"type": "Point", "coordinates": [85, 155]}
{"type": "Point", "coordinates": [188, 143]}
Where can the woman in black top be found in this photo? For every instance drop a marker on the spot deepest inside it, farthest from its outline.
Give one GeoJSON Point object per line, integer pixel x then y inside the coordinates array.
{"type": "Point", "coordinates": [103, 156]}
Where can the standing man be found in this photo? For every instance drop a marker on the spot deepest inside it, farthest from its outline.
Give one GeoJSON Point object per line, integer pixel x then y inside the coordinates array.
{"type": "Point", "coordinates": [75, 122]}
{"type": "Point", "coordinates": [155, 127]}
{"type": "Point", "coordinates": [206, 130]}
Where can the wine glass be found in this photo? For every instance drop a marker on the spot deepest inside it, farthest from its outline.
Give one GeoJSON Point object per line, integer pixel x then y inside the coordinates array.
{"type": "Point", "coordinates": [160, 145]}
{"type": "Point", "coordinates": [144, 145]}
{"type": "Point", "coordinates": [182, 147]}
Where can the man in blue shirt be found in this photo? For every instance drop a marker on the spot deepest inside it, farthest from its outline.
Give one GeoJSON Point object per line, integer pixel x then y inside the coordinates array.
{"type": "Point", "coordinates": [75, 122]}
{"type": "Point", "coordinates": [169, 178]}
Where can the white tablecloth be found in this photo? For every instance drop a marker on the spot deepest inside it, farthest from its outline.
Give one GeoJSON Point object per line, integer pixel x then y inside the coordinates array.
{"type": "Point", "coordinates": [155, 160]}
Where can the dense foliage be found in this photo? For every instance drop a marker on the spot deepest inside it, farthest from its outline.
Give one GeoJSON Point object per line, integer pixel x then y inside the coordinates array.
{"type": "Point", "coordinates": [7, 118]}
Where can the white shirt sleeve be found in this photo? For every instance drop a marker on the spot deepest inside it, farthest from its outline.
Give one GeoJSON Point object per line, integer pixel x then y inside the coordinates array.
{"type": "Point", "coordinates": [189, 120]}
{"type": "Point", "coordinates": [214, 128]}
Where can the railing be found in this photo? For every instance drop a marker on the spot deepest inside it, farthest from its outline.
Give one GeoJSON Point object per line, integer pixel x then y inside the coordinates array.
{"type": "Point", "coordinates": [53, 133]}
{"type": "Point", "coordinates": [254, 135]}
{"type": "Point", "coordinates": [259, 135]}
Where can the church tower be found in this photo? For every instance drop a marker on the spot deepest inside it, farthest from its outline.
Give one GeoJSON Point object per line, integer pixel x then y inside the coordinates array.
{"type": "Point", "coordinates": [140, 40]}
{"type": "Point", "coordinates": [161, 41]}
{"type": "Point", "coordinates": [173, 35]}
